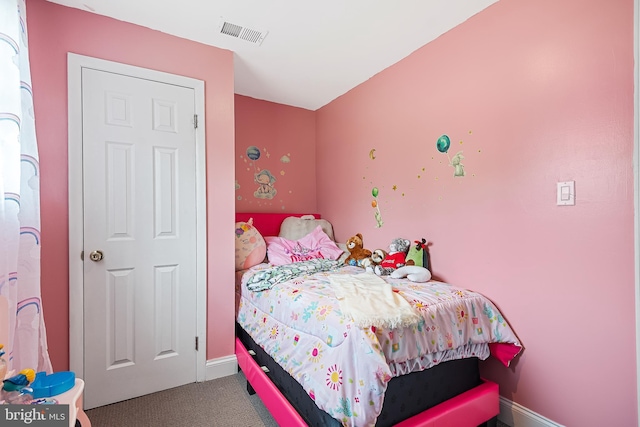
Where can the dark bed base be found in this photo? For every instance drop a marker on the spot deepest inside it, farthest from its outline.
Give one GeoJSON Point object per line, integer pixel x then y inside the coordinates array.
{"type": "Point", "coordinates": [406, 396]}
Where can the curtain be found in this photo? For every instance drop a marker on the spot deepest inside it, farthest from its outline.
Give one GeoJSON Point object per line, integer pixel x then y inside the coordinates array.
{"type": "Point", "coordinates": [19, 197]}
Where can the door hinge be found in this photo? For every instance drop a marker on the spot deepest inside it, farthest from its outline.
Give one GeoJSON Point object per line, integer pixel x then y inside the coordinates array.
{"type": "Point", "coordinates": [196, 343]}
{"type": "Point", "coordinates": [195, 121]}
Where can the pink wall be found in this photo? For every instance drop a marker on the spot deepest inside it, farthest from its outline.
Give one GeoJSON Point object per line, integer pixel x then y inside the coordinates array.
{"type": "Point", "coordinates": [537, 92]}
{"type": "Point", "coordinates": [55, 30]}
{"type": "Point", "coordinates": [282, 140]}
{"type": "Point", "coordinates": [532, 93]}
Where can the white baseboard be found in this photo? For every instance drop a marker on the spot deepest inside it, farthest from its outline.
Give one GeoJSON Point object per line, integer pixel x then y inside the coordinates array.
{"type": "Point", "coordinates": [516, 415]}
{"type": "Point", "coordinates": [221, 367]}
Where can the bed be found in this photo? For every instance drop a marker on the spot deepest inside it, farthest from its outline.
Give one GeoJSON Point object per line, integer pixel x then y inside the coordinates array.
{"type": "Point", "coordinates": [314, 363]}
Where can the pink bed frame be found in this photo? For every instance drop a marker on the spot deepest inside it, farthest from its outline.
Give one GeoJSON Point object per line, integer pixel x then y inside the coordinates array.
{"type": "Point", "coordinates": [268, 224]}
{"type": "Point", "coordinates": [470, 408]}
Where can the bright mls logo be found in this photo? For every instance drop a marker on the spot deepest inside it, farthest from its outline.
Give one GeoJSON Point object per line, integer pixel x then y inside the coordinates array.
{"type": "Point", "coordinates": [34, 415]}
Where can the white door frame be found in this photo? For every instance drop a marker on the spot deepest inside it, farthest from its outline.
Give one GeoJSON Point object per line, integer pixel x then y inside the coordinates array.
{"type": "Point", "coordinates": [75, 65]}
{"type": "Point", "coordinates": [636, 180]}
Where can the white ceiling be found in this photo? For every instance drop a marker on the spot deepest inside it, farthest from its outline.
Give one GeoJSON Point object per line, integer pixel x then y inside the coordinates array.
{"type": "Point", "coordinates": [313, 52]}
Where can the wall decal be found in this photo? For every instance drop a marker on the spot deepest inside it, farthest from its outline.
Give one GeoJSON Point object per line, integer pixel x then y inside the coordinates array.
{"type": "Point", "coordinates": [263, 177]}
{"type": "Point", "coordinates": [372, 154]}
{"type": "Point", "coordinates": [374, 204]}
{"type": "Point", "coordinates": [443, 144]}
{"type": "Point", "coordinates": [265, 181]}
{"type": "Point", "coordinates": [253, 153]}
{"type": "Point", "coordinates": [458, 168]}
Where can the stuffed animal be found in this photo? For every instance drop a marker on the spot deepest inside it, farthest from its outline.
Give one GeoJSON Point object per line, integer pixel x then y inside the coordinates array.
{"type": "Point", "coordinates": [357, 252]}
{"type": "Point", "coordinates": [396, 257]}
{"type": "Point", "coordinates": [419, 254]}
{"type": "Point", "coordinates": [375, 259]}
{"type": "Point", "coordinates": [415, 273]}
{"type": "Point", "coordinates": [251, 248]}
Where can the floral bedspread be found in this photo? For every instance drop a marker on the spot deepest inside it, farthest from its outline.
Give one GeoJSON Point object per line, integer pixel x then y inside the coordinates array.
{"type": "Point", "coordinates": [268, 277]}
{"type": "Point", "coordinates": [345, 369]}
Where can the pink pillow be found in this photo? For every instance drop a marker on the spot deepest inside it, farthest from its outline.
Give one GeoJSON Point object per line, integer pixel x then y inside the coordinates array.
{"type": "Point", "coordinates": [250, 246]}
{"type": "Point", "coordinates": [316, 244]}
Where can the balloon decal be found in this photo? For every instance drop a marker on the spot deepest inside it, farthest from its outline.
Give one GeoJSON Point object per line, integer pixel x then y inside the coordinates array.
{"type": "Point", "coordinates": [376, 206]}
{"type": "Point", "coordinates": [442, 144]}
{"type": "Point", "coordinates": [253, 153]}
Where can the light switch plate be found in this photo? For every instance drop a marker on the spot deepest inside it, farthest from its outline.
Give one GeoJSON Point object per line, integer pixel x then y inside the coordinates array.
{"type": "Point", "coordinates": [566, 193]}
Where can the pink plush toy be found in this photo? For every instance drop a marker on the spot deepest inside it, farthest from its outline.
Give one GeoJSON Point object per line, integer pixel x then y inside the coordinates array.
{"type": "Point", "coordinates": [251, 248]}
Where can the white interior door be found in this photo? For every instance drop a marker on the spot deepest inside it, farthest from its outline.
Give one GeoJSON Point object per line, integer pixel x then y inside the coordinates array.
{"type": "Point", "coordinates": [140, 245]}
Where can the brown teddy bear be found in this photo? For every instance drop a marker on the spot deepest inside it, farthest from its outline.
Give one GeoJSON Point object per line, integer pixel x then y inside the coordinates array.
{"type": "Point", "coordinates": [356, 249]}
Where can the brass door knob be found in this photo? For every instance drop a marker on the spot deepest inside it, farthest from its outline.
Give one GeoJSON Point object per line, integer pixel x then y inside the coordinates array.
{"type": "Point", "coordinates": [96, 256]}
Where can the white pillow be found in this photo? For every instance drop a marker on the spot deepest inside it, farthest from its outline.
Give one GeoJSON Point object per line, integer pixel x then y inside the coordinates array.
{"type": "Point", "coordinates": [294, 228]}
{"type": "Point", "coordinates": [414, 273]}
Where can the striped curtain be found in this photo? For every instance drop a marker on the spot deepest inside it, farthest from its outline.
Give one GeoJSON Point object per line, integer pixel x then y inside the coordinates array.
{"type": "Point", "coordinates": [19, 197]}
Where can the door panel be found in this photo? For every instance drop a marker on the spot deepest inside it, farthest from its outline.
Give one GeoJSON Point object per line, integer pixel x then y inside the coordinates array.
{"type": "Point", "coordinates": [139, 211]}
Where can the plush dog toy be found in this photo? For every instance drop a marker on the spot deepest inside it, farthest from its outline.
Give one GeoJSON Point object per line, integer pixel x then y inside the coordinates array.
{"type": "Point", "coordinates": [396, 257]}
{"type": "Point", "coordinates": [357, 252]}
{"type": "Point", "coordinates": [414, 273]}
{"type": "Point", "coordinates": [375, 259]}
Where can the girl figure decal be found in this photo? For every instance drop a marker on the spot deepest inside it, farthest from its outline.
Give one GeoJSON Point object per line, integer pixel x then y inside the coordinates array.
{"type": "Point", "coordinates": [263, 177]}
{"type": "Point", "coordinates": [265, 181]}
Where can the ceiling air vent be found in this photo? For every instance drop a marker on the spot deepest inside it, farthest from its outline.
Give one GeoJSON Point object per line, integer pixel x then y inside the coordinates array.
{"type": "Point", "coordinates": [241, 32]}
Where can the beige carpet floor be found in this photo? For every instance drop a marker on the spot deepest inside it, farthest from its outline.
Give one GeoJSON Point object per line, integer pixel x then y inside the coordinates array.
{"type": "Point", "coordinates": [223, 402]}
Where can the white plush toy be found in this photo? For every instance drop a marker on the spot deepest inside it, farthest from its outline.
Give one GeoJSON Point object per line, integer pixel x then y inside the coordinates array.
{"type": "Point", "coordinates": [412, 272]}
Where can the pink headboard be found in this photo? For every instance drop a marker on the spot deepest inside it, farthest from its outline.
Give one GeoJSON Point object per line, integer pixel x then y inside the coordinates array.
{"type": "Point", "coordinates": [268, 224]}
